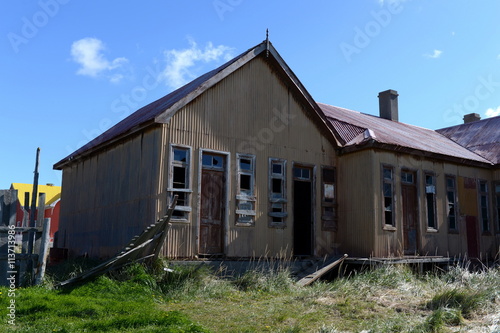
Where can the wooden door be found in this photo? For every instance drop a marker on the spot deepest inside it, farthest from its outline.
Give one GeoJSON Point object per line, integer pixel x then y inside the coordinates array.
{"type": "Point", "coordinates": [212, 212]}
{"type": "Point", "coordinates": [410, 213]}
{"type": "Point", "coordinates": [472, 236]}
{"type": "Point", "coordinates": [302, 211]}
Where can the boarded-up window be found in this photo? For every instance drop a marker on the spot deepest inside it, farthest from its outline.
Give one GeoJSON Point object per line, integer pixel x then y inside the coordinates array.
{"type": "Point", "coordinates": [451, 202]}
{"type": "Point", "coordinates": [483, 205]}
{"type": "Point", "coordinates": [328, 199]}
{"type": "Point", "coordinates": [430, 200]}
{"type": "Point", "coordinates": [388, 194]}
{"type": "Point", "coordinates": [277, 192]}
{"type": "Point", "coordinates": [245, 196]}
{"type": "Point", "coordinates": [179, 181]}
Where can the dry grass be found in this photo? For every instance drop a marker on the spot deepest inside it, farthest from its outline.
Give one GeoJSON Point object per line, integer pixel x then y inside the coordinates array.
{"type": "Point", "coordinates": [388, 299]}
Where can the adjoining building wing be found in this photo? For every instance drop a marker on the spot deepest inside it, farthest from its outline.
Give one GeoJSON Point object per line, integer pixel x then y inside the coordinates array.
{"type": "Point", "coordinates": [358, 131]}
{"type": "Point", "coordinates": [480, 136]}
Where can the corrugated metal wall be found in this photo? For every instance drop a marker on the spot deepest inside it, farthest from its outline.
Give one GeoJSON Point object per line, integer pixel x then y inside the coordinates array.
{"type": "Point", "coordinates": [356, 179]}
{"type": "Point", "coordinates": [110, 197]}
{"type": "Point", "coordinates": [364, 167]}
{"type": "Point", "coordinates": [251, 112]}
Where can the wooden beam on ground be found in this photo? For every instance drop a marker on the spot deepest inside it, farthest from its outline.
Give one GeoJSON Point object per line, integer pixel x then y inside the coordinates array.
{"type": "Point", "coordinates": [309, 279]}
{"type": "Point", "coordinates": [141, 247]}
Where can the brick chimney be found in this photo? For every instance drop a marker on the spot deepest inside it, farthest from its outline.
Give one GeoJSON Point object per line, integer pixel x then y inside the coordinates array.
{"type": "Point", "coordinates": [469, 118]}
{"type": "Point", "coordinates": [388, 104]}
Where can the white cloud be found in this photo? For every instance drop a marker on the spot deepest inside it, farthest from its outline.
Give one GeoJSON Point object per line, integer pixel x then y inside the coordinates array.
{"type": "Point", "coordinates": [493, 112]}
{"type": "Point", "coordinates": [88, 52]}
{"type": "Point", "coordinates": [180, 63]}
{"type": "Point", "coordinates": [435, 54]}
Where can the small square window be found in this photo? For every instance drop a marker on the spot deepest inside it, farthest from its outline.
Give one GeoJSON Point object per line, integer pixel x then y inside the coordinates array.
{"type": "Point", "coordinates": [277, 169]}
{"type": "Point", "coordinates": [245, 182]}
{"type": "Point", "coordinates": [388, 173]}
{"type": "Point", "coordinates": [180, 155]}
{"type": "Point", "coordinates": [245, 164]}
{"type": "Point", "coordinates": [277, 185]}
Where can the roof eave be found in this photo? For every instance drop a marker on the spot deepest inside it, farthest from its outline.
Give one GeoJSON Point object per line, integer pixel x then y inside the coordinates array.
{"type": "Point", "coordinates": [99, 146]}
{"type": "Point", "coordinates": [415, 152]}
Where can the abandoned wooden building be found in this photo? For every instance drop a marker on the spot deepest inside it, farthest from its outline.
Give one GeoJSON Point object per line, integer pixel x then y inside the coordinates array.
{"type": "Point", "coordinates": [261, 169]}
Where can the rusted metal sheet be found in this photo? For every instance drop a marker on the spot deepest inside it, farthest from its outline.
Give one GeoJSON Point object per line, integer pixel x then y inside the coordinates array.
{"type": "Point", "coordinates": [394, 134]}
{"type": "Point", "coordinates": [482, 137]}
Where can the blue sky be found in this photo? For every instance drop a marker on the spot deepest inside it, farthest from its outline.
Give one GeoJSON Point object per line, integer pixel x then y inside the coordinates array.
{"type": "Point", "coordinates": [71, 69]}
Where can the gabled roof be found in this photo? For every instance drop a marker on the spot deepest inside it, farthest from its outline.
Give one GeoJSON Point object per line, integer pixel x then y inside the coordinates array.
{"type": "Point", "coordinates": [161, 110]}
{"type": "Point", "coordinates": [481, 137]}
{"type": "Point", "coordinates": [358, 130]}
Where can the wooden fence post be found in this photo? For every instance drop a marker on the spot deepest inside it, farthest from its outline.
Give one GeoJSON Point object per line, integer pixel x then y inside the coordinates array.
{"type": "Point", "coordinates": [44, 251]}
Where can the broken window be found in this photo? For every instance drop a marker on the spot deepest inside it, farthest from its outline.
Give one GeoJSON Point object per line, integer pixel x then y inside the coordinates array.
{"type": "Point", "coordinates": [451, 201]}
{"type": "Point", "coordinates": [430, 198]}
{"type": "Point", "coordinates": [245, 197]}
{"type": "Point", "coordinates": [277, 192]}
{"type": "Point", "coordinates": [388, 194]}
{"type": "Point", "coordinates": [483, 205]}
{"type": "Point", "coordinates": [328, 199]}
{"type": "Point", "coordinates": [179, 179]}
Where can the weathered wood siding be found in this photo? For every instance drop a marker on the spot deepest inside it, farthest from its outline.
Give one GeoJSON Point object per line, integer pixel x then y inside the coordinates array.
{"type": "Point", "coordinates": [111, 196]}
{"type": "Point", "coordinates": [253, 112]}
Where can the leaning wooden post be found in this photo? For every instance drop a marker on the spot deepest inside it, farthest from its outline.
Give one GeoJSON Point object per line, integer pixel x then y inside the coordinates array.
{"type": "Point", "coordinates": [44, 251]}
{"type": "Point", "coordinates": [32, 224]}
{"type": "Point", "coordinates": [167, 226]}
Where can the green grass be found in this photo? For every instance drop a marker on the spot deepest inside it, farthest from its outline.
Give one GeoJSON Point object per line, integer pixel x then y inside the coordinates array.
{"type": "Point", "coordinates": [194, 299]}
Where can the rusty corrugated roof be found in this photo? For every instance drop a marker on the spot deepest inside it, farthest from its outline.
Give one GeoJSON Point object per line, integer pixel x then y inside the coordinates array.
{"type": "Point", "coordinates": [161, 110]}
{"type": "Point", "coordinates": [482, 137]}
{"type": "Point", "coordinates": [148, 113]}
{"type": "Point", "coordinates": [356, 129]}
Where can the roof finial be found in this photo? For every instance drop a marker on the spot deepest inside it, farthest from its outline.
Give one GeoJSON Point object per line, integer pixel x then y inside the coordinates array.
{"type": "Point", "coordinates": [267, 43]}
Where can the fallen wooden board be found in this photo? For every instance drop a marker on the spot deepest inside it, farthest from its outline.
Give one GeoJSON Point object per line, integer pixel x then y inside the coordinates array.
{"type": "Point", "coordinates": [320, 272]}
{"type": "Point", "coordinates": [144, 246]}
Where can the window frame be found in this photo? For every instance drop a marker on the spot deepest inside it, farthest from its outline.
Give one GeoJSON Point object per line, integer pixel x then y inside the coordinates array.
{"type": "Point", "coordinates": [273, 200]}
{"type": "Point", "coordinates": [392, 183]}
{"type": "Point", "coordinates": [484, 222]}
{"type": "Point", "coordinates": [496, 198]}
{"type": "Point", "coordinates": [185, 209]}
{"type": "Point", "coordinates": [242, 197]}
{"type": "Point", "coordinates": [453, 189]}
{"type": "Point", "coordinates": [329, 222]}
{"type": "Point", "coordinates": [431, 189]}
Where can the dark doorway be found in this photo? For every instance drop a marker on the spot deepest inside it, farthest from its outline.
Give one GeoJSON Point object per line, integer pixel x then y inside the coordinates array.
{"type": "Point", "coordinates": [302, 211]}
{"type": "Point", "coordinates": [472, 236]}
{"type": "Point", "coordinates": [410, 212]}
{"type": "Point", "coordinates": [212, 205]}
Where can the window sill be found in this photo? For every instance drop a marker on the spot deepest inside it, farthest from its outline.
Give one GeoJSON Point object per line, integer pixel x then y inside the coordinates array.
{"type": "Point", "coordinates": [389, 228]}
{"type": "Point", "coordinates": [432, 230]}
{"type": "Point", "coordinates": [245, 225]}
{"type": "Point", "coordinates": [275, 225]}
{"type": "Point", "coordinates": [179, 221]}
{"type": "Point", "coordinates": [453, 232]}
{"type": "Point", "coordinates": [184, 190]}
{"type": "Point", "coordinates": [244, 197]}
